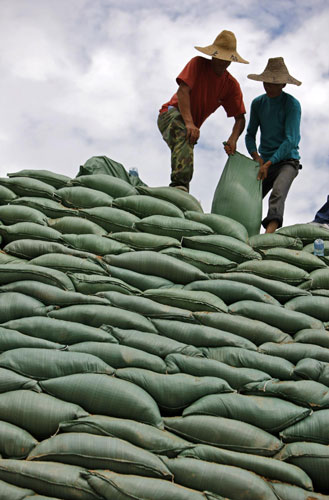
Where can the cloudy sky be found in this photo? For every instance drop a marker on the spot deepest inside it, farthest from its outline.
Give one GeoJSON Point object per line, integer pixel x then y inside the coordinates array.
{"type": "Point", "coordinates": [82, 78]}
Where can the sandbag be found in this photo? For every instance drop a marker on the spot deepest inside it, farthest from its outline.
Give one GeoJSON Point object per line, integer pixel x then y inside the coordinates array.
{"type": "Point", "coordinates": [42, 364]}
{"type": "Point", "coordinates": [145, 206]}
{"type": "Point", "coordinates": [5, 258]}
{"type": "Point", "coordinates": [319, 337]}
{"type": "Point", "coordinates": [11, 381]}
{"type": "Point", "coordinates": [231, 291]}
{"type": "Point", "coordinates": [174, 227]}
{"type": "Point", "coordinates": [295, 352]}
{"type": "Point", "coordinates": [16, 272]}
{"type": "Point", "coordinates": [82, 197]}
{"type": "Point", "coordinates": [12, 492]}
{"type": "Point", "coordinates": [313, 369]}
{"type": "Point", "coordinates": [139, 280]}
{"type": "Point", "coordinates": [274, 240]}
{"type": "Point", "coordinates": [238, 194]}
{"type": "Point", "coordinates": [68, 263]}
{"type": "Point", "coordinates": [306, 232]}
{"type": "Point", "coordinates": [39, 414]}
{"type": "Point", "coordinates": [314, 428]}
{"type": "Point", "coordinates": [156, 264]}
{"type": "Point", "coordinates": [142, 435]}
{"type": "Point", "coordinates": [220, 224]}
{"type": "Point", "coordinates": [24, 186]}
{"type": "Point", "coordinates": [15, 442]}
{"type": "Point", "coordinates": [12, 339]}
{"type": "Point", "coordinates": [320, 279]}
{"type": "Point", "coordinates": [289, 492]}
{"type": "Point", "coordinates": [279, 317]}
{"type": "Point", "coordinates": [184, 201]}
{"type": "Point", "coordinates": [120, 356]}
{"type": "Point", "coordinates": [111, 219]}
{"type": "Point", "coordinates": [104, 165]}
{"type": "Point", "coordinates": [101, 394]}
{"type": "Point", "coordinates": [144, 241]}
{"type": "Point", "coordinates": [30, 249]}
{"type": "Point", "coordinates": [100, 452]}
{"type": "Point", "coordinates": [52, 178]}
{"type": "Point", "coordinates": [275, 270]}
{"type": "Point", "coordinates": [6, 195]}
{"type": "Point", "coordinates": [297, 258]}
{"type": "Point", "coordinates": [95, 315]}
{"type": "Point", "coordinates": [187, 299]}
{"type": "Point", "coordinates": [310, 247]}
{"type": "Point", "coordinates": [55, 330]}
{"type": "Point", "coordinates": [200, 367]}
{"type": "Point", "coordinates": [225, 433]}
{"type": "Point", "coordinates": [108, 184]}
{"type": "Point", "coordinates": [94, 244]}
{"type": "Point", "coordinates": [76, 225]}
{"type": "Point", "coordinates": [15, 305]}
{"type": "Point", "coordinates": [205, 261]}
{"type": "Point", "coordinates": [48, 478]}
{"type": "Point", "coordinates": [226, 246]}
{"type": "Point", "coordinates": [317, 307]}
{"type": "Point", "coordinates": [50, 208]}
{"type": "Point", "coordinates": [94, 283]}
{"type": "Point", "coordinates": [270, 414]}
{"type": "Point", "coordinates": [13, 214]}
{"type": "Point", "coordinates": [28, 230]}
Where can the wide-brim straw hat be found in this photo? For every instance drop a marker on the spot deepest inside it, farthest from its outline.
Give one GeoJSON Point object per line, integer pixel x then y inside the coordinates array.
{"type": "Point", "coordinates": [224, 47]}
{"type": "Point", "coordinates": [275, 72]}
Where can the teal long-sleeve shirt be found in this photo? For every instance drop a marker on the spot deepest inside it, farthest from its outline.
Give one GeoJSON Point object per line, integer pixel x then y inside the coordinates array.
{"type": "Point", "coordinates": [279, 122]}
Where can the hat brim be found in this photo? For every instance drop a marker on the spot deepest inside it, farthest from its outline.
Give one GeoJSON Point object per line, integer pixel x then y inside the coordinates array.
{"type": "Point", "coordinates": [225, 55]}
{"type": "Point", "coordinates": [270, 78]}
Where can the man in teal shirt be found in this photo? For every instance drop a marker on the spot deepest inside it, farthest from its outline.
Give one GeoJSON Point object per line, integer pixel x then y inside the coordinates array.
{"type": "Point", "coordinates": [278, 116]}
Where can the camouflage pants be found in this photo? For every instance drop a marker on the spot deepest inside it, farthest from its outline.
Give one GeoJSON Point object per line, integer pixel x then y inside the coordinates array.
{"type": "Point", "coordinates": [173, 130]}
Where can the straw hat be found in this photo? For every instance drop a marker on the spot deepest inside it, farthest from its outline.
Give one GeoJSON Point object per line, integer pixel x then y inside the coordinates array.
{"type": "Point", "coordinates": [275, 72]}
{"type": "Point", "coordinates": [224, 47]}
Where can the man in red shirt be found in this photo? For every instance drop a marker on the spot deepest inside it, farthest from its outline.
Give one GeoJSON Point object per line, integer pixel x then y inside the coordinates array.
{"type": "Point", "coordinates": [204, 85]}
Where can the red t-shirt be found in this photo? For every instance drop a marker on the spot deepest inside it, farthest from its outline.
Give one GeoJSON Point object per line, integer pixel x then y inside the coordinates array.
{"type": "Point", "coordinates": [208, 91]}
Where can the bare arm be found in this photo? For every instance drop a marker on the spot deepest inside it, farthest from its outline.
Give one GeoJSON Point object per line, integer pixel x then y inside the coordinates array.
{"type": "Point", "coordinates": [184, 104]}
{"type": "Point", "coordinates": [238, 127]}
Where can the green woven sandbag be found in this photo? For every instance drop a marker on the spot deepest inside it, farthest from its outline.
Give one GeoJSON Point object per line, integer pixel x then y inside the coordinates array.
{"type": "Point", "coordinates": [121, 487]}
{"type": "Point", "coordinates": [82, 197]}
{"type": "Point", "coordinates": [11, 381]}
{"type": "Point", "coordinates": [184, 201]}
{"type": "Point", "coordinates": [30, 230]}
{"type": "Point", "coordinates": [310, 248]}
{"type": "Point", "coordinates": [68, 263]}
{"type": "Point", "coordinates": [6, 195]}
{"type": "Point", "coordinates": [55, 330]}
{"type": "Point", "coordinates": [50, 208]}
{"type": "Point", "coordinates": [257, 332]}
{"type": "Point", "coordinates": [15, 442]}
{"type": "Point", "coordinates": [50, 295]}
{"type": "Point", "coordinates": [76, 225]}
{"type": "Point", "coordinates": [14, 305]}
{"type": "Point", "coordinates": [288, 492]}
{"type": "Point", "coordinates": [120, 356]}
{"type": "Point", "coordinates": [200, 367]}
{"type": "Point", "coordinates": [313, 369]}
{"type": "Point", "coordinates": [272, 269]}
{"type": "Point", "coordinates": [235, 356]}
{"type": "Point", "coordinates": [320, 279]}
{"type": "Point", "coordinates": [274, 240]}
{"type": "Point", "coordinates": [186, 299]}
{"type": "Point", "coordinates": [173, 392]}
{"type": "Point", "coordinates": [220, 224]}
{"type": "Point", "coordinates": [239, 194]}
{"type": "Point", "coordinates": [205, 261]}
{"type": "Point", "coordinates": [144, 241]}
{"type": "Point", "coordinates": [91, 284]}
{"type": "Point", "coordinates": [9, 259]}
{"type": "Point", "coordinates": [16, 272]}
{"type": "Point", "coordinates": [304, 260]}
{"type": "Point", "coordinates": [56, 180]}
{"type": "Point", "coordinates": [95, 315]}
{"type": "Point", "coordinates": [313, 458]}
{"type": "Point", "coordinates": [285, 319]}
{"type": "Point", "coordinates": [306, 232]}
{"type": "Point", "coordinates": [312, 336]}
{"type": "Point", "coordinates": [231, 291]}
{"type": "Point", "coordinates": [280, 291]}
{"type": "Point", "coordinates": [225, 433]}
{"type": "Point", "coordinates": [94, 244]}
{"type": "Point", "coordinates": [314, 428]}
{"type": "Point", "coordinates": [200, 335]}
{"type": "Point", "coordinates": [263, 466]}
{"type": "Point", "coordinates": [30, 249]}
{"type": "Point", "coordinates": [156, 264]}
{"type": "Point", "coordinates": [142, 435]}
{"type": "Point", "coordinates": [111, 219]}
{"type": "Point", "coordinates": [154, 344]}
{"type": "Point", "coordinates": [105, 395]}
{"type": "Point", "coordinates": [37, 413]}
{"type": "Point", "coordinates": [270, 414]}
{"type": "Point", "coordinates": [104, 165]}
{"type": "Point", "coordinates": [24, 186]}
{"type": "Point", "coordinates": [301, 392]}
{"type": "Point", "coordinates": [12, 492]}
{"type": "Point", "coordinates": [295, 352]}
{"type": "Point", "coordinates": [48, 478]}
{"type": "Point", "coordinates": [100, 452]}
{"type": "Point", "coordinates": [42, 364]}
{"type": "Point", "coordinates": [13, 214]}
{"type": "Point", "coordinates": [108, 184]}
{"type": "Point", "coordinates": [145, 206]}
{"type": "Point", "coordinates": [146, 307]}
{"type": "Point", "coordinates": [12, 339]}
{"type": "Point", "coordinates": [139, 280]}
{"type": "Point", "coordinates": [226, 246]}
{"type": "Point", "coordinates": [174, 227]}
{"type": "Point", "coordinates": [320, 293]}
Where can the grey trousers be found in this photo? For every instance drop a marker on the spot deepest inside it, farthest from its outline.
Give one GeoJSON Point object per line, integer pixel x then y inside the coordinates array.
{"type": "Point", "coordinates": [279, 179]}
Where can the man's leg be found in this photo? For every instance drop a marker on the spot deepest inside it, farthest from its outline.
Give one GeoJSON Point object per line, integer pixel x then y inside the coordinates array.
{"type": "Point", "coordinates": [282, 177]}
{"type": "Point", "coordinates": [173, 130]}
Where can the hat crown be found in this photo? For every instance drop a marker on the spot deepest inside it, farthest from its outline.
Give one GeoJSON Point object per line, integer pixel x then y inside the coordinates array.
{"type": "Point", "coordinates": [276, 64]}
{"type": "Point", "coordinates": [225, 40]}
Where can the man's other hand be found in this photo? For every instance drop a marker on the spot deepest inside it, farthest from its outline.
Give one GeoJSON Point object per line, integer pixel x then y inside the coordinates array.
{"type": "Point", "coordinates": [192, 133]}
{"type": "Point", "coordinates": [263, 171]}
{"type": "Point", "coordinates": [230, 147]}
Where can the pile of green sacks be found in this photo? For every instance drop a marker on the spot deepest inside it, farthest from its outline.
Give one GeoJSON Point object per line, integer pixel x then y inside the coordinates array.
{"type": "Point", "coordinates": [151, 351]}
